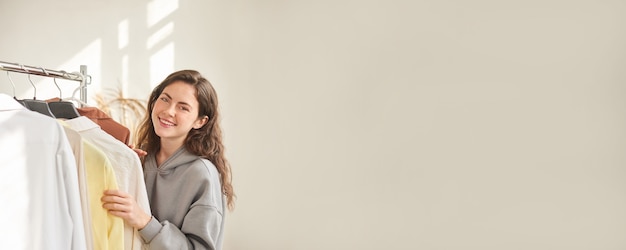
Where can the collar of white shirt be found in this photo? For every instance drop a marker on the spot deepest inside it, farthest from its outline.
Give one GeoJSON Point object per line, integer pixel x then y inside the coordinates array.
{"type": "Point", "coordinates": [9, 103]}
{"type": "Point", "coordinates": [82, 123]}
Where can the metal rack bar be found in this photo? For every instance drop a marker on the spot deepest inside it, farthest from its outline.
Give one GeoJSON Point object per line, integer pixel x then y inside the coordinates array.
{"type": "Point", "coordinates": [81, 77]}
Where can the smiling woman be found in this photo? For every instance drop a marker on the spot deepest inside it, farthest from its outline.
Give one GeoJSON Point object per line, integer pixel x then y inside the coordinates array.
{"type": "Point", "coordinates": [174, 114]}
{"type": "Point", "coordinates": [188, 179]}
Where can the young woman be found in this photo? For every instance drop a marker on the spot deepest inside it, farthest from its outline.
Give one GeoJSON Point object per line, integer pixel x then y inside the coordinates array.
{"type": "Point", "coordinates": [188, 178]}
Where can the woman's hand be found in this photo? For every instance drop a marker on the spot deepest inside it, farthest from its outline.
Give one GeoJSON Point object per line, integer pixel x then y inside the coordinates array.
{"type": "Point", "coordinates": [123, 205]}
{"type": "Point", "coordinates": [139, 152]}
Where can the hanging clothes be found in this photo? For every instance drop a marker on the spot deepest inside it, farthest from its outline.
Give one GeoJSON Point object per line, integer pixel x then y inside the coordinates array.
{"type": "Point", "coordinates": [107, 231]}
{"type": "Point", "coordinates": [127, 168]}
{"type": "Point", "coordinates": [39, 182]}
{"type": "Point", "coordinates": [76, 144]}
{"type": "Point", "coordinates": [107, 123]}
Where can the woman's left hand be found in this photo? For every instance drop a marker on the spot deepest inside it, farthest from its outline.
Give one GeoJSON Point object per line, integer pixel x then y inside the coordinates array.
{"type": "Point", "coordinates": [138, 151]}
{"type": "Point", "coordinates": [123, 205]}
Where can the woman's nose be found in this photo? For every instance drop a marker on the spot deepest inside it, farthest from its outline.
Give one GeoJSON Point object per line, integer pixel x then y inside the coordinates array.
{"type": "Point", "coordinates": [170, 110]}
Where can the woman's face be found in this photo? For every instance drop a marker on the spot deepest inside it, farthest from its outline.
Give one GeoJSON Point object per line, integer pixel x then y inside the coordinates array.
{"type": "Point", "coordinates": [175, 113]}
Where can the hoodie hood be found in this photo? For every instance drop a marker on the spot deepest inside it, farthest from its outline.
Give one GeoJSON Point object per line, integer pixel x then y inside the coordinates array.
{"type": "Point", "coordinates": [180, 157]}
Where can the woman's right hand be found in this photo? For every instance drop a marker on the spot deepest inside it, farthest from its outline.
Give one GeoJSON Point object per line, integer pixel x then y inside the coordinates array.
{"type": "Point", "coordinates": [123, 205]}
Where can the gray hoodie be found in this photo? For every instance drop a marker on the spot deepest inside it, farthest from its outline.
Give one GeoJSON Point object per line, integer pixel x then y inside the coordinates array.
{"type": "Point", "coordinates": [187, 204]}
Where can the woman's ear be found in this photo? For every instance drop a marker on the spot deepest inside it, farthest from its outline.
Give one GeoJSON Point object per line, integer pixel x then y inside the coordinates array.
{"type": "Point", "coordinates": [200, 122]}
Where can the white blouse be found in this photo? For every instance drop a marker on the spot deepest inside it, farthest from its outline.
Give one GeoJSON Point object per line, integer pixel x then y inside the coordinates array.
{"type": "Point", "coordinates": [41, 206]}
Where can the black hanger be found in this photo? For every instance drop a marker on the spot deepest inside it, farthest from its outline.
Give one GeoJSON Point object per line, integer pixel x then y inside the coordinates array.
{"type": "Point", "coordinates": [37, 105]}
{"type": "Point", "coordinates": [62, 109]}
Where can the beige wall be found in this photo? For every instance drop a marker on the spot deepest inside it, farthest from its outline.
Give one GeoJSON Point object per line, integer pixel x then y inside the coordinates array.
{"type": "Point", "coordinates": [394, 124]}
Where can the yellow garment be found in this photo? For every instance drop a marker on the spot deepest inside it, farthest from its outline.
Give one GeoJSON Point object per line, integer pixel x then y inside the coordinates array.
{"type": "Point", "coordinates": [108, 230]}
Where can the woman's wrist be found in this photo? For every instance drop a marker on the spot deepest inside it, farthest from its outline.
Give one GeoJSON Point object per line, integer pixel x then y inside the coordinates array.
{"type": "Point", "coordinates": [147, 218]}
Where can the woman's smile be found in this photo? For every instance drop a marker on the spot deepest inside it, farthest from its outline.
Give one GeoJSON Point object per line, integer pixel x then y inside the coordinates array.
{"type": "Point", "coordinates": [165, 123]}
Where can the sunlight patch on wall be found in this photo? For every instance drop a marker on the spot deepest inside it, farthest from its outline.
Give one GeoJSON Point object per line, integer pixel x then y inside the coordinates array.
{"type": "Point", "coordinates": [45, 88]}
{"type": "Point", "coordinates": [90, 55]}
{"type": "Point", "coordinates": [160, 35]}
{"type": "Point", "coordinates": [125, 74]}
{"type": "Point", "coordinates": [122, 34]}
{"type": "Point", "coordinates": [162, 51]}
{"type": "Point", "coordinates": [161, 64]}
{"type": "Point", "coordinates": [159, 9]}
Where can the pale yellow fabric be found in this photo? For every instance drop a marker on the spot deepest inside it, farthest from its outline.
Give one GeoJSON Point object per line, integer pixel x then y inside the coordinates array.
{"type": "Point", "coordinates": [108, 230]}
{"type": "Point", "coordinates": [127, 167]}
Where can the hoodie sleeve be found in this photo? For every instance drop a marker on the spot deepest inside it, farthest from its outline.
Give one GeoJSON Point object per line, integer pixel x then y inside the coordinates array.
{"type": "Point", "coordinates": [195, 233]}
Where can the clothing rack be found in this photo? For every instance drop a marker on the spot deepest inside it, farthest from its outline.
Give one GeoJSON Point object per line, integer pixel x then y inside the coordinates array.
{"type": "Point", "coordinates": [81, 76]}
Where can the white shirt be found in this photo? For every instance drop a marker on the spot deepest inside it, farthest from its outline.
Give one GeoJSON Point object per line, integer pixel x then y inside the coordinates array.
{"type": "Point", "coordinates": [76, 144]}
{"type": "Point", "coordinates": [41, 206]}
{"type": "Point", "coordinates": [126, 165]}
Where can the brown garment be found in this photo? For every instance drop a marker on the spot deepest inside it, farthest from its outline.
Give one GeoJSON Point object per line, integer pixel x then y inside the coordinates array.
{"type": "Point", "coordinates": [107, 123]}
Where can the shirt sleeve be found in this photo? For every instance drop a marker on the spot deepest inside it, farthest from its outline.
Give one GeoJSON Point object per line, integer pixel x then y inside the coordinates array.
{"type": "Point", "coordinates": [68, 175]}
{"type": "Point", "coordinates": [200, 230]}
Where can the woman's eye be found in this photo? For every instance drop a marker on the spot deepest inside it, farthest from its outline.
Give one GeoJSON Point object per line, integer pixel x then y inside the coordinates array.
{"type": "Point", "coordinates": [184, 108]}
{"type": "Point", "coordinates": [164, 99]}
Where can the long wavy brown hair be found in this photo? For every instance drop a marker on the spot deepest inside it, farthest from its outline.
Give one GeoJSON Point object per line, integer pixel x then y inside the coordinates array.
{"type": "Point", "coordinates": [205, 141]}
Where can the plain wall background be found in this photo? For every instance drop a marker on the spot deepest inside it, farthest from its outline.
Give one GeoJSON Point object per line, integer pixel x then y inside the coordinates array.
{"type": "Point", "coordinates": [378, 124]}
